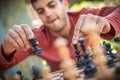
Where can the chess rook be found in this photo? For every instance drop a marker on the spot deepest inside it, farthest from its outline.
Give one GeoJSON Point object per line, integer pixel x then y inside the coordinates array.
{"type": "Point", "coordinates": [33, 42]}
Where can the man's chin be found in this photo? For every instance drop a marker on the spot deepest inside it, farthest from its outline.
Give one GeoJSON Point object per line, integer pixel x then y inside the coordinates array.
{"type": "Point", "coordinates": [57, 30]}
{"type": "Point", "coordinates": [55, 27]}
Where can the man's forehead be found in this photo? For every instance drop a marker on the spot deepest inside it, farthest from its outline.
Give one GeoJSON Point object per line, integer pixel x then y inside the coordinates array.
{"type": "Point", "coordinates": [43, 2]}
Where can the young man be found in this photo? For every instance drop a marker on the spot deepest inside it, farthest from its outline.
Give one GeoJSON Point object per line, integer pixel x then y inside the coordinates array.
{"type": "Point", "coordinates": [57, 23]}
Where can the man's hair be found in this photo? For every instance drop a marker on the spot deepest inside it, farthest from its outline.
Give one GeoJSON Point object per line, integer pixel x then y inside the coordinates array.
{"type": "Point", "coordinates": [32, 1]}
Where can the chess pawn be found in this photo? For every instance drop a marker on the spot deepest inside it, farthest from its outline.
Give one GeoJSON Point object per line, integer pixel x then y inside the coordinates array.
{"type": "Point", "coordinates": [67, 64]}
{"type": "Point", "coordinates": [70, 75]}
{"type": "Point", "coordinates": [118, 51]}
{"type": "Point", "coordinates": [117, 39]}
{"type": "Point", "coordinates": [103, 73]}
{"type": "Point", "coordinates": [36, 72]}
{"type": "Point", "coordinates": [117, 71]}
{"type": "Point", "coordinates": [17, 77]}
{"type": "Point", "coordinates": [99, 59]}
{"type": "Point", "coordinates": [69, 68]}
{"type": "Point", "coordinates": [46, 73]}
{"type": "Point", "coordinates": [107, 74]}
{"type": "Point", "coordinates": [117, 67]}
{"type": "Point", "coordinates": [5, 76]}
{"type": "Point", "coordinates": [108, 52]}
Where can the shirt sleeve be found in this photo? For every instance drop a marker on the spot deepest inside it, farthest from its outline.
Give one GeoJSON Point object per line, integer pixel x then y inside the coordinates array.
{"type": "Point", "coordinates": [18, 56]}
{"type": "Point", "coordinates": [112, 15]}
{"type": "Point", "coordinates": [114, 20]}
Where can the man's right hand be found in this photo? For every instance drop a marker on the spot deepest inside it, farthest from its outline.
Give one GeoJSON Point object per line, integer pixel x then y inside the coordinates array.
{"type": "Point", "coordinates": [17, 38]}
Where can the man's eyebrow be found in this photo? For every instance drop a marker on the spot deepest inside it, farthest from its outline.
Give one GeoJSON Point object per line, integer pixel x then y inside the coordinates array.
{"type": "Point", "coordinates": [47, 4]}
{"type": "Point", "coordinates": [38, 9]}
{"type": "Point", "coordinates": [50, 2]}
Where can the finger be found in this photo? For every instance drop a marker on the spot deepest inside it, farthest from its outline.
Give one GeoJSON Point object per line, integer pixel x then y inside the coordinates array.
{"type": "Point", "coordinates": [77, 30]}
{"type": "Point", "coordinates": [95, 18]}
{"type": "Point", "coordinates": [88, 24]}
{"type": "Point", "coordinates": [28, 31]}
{"type": "Point", "coordinates": [107, 26]}
{"type": "Point", "coordinates": [9, 40]}
{"type": "Point", "coordinates": [9, 45]}
{"type": "Point", "coordinates": [16, 37]}
{"type": "Point", "coordinates": [103, 25]}
{"type": "Point", "coordinates": [100, 24]}
{"type": "Point", "coordinates": [96, 21]}
{"type": "Point", "coordinates": [88, 20]}
{"type": "Point", "coordinates": [23, 26]}
{"type": "Point", "coordinates": [21, 33]}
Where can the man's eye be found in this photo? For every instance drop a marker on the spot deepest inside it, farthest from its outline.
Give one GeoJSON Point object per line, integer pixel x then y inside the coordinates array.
{"type": "Point", "coordinates": [40, 11]}
{"type": "Point", "coordinates": [52, 5]}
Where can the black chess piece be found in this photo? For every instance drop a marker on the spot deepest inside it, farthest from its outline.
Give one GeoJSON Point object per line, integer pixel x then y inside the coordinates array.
{"type": "Point", "coordinates": [117, 39]}
{"type": "Point", "coordinates": [117, 67]}
{"type": "Point", "coordinates": [20, 74]}
{"type": "Point", "coordinates": [33, 42]}
{"type": "Point", "coordinates": [89, 67]}
{"type": "Point", "coordinates": [108, 52]}
{"type": "Point", "coordinates": [36, 73]}
{"type": "Point", "coordinates": [79, 60]}
{"type": "Point", "coordinates": [117, 71]}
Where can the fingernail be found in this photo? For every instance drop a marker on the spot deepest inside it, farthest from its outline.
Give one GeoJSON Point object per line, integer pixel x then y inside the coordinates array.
{"type": "Point", "coordinates": [31, 36]}
{"type": "Point", "coordinates": [74, 41]}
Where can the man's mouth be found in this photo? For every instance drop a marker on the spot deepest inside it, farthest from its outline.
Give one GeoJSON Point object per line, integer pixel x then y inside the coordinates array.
{"type": "Point", "coordinates": [51, 21]}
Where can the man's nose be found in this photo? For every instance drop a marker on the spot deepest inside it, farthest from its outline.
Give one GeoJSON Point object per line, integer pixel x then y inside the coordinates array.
{"type": "Point", "coordinates": [48, 12]}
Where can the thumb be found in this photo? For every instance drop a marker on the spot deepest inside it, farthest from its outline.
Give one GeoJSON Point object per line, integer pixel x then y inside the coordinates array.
{"type": "Point", "coordinates": [106, 27]}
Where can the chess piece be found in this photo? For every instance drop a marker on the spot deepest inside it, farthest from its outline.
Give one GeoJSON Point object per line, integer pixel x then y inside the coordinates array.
{"type": "Point", "coordinates": [33, 42]}
{"type": "Point", "coordinates": [36, 73]}
{"type": "Point", "coordinates": [99, 59]}
{"type": "Point", "coordinates": [17, 77]}
{"type": "Point", "coordinates": [108, 52]}
{"type": "Point", "coordinates": [117, 71]}
{"type": "Point", "coordinates": [117, 67]}
{"type": "Point", "coordinates": [67, 64]}
{"type": "Point", "coordinates": [46, 73]}
{"type": "Point", "coordinates": [89, 67]}
{"type": "Point", "coordinates": [114, 72]}
{"type": "Point", "coordinates": [5, 76]}
{"type": "Point", "coordinates": [20, 74]}
{"type": "Point", "coordinates": [93, 38]}
{"type": "Point", "coordinates": [80, 63]}
{"type": "Point", "coordinates": [108, 74]}
{"type": "Point", "coordinates": [117, 39]}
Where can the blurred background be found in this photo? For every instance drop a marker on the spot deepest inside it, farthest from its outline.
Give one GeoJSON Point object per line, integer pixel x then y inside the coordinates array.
{"type": "Point", "coordinates": [20, 12]}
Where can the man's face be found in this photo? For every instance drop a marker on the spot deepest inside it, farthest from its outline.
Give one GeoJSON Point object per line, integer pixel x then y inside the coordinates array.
{"type": "Point", "coordinates": [52, 13]}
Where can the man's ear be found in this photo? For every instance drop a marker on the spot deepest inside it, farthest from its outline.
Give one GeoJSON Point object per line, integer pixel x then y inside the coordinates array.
{"type": "Point", "coordinates": [66, 3]}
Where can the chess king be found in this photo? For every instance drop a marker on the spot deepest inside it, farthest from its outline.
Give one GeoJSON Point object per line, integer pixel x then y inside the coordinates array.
{"type": "Point", "coordinates": [57, 22]}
